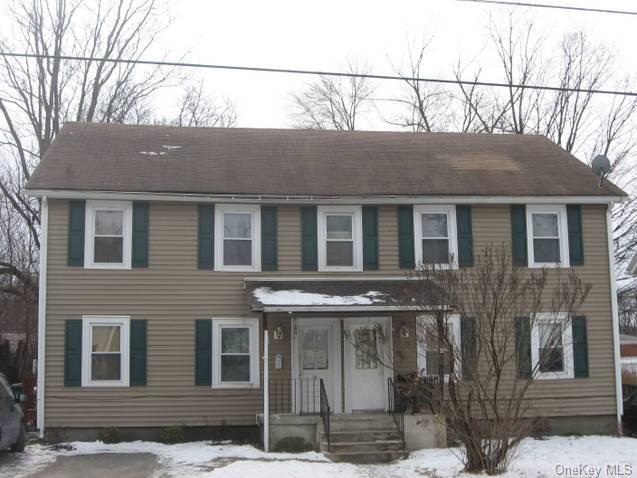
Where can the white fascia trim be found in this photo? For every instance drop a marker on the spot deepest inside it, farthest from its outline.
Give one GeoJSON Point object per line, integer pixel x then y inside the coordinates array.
{"type": "Point", "coordinates": [615, 320]}
{"type": "Point", "coordinates": [335, 308]}
{"type": "Point", "coordinates": [309, 199]}
{"type": "Point", "coordinates": [560, 210]}
{"type": "Point", "coordinates": [44, 233]}
{"type": "Point", "coordinates": [328, 278]}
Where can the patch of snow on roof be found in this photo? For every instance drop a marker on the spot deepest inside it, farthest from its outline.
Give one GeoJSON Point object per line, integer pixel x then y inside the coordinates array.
{"type": "Point", "coordinates": [170, 147]}
{"type": "Point", "coordinates": [153, 153]}
{"type": "Point", "coordinates": [267, 296]}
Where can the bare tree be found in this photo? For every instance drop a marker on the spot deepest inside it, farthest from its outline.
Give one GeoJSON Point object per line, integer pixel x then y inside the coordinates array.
{"type": "Point", "coordinates": [198, 108]}
{"type": "Point", "coordinates": [483, 380]}
{"type": "Point", "coordinates": [333, 103]}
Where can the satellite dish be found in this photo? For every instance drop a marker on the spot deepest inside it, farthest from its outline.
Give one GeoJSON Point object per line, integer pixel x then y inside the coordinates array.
{"type": "Point", "coordinates": [600, 165]}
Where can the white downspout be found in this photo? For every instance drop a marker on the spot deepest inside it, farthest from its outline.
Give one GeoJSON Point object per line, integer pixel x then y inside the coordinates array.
{"type": "Point", "coordinates": [615, 320]}
{"type": "Point", "coordinates": [266, 391]}
{"type": "Point", "coordinates": [44, 232]}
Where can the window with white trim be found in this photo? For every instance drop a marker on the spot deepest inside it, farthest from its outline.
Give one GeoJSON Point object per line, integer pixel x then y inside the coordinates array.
{"type": "Point", "coordinates": [433, 352]}
{"type": "Point", "coordinates": [105, 351]}
{"type": "Point", "coordinates": [340, 238]}
{"type": "Point", "coordinates": [435, 233]}
{"type": "Point", "coordinates": [108, 231]}
{"type": "Point", "coordinates": [552, 347]}
{"type": "Point", "coordinates": [547, 235]}
{"type": "Point", "coordinates": [237, 237]}
{"type": "Point", "coordinates": [235, 345]}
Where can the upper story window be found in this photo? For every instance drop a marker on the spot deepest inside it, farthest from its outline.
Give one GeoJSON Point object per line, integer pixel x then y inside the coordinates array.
{"type": "Point", "coordinates": [433, 351]}
{"type": "Point", "coordinates": [237, 239]}
{"type": "Point", "coordinates": [552, 347]}
{"type": "Point", "coordinates": [105, 351]}
{"type": "Point", "coordinates": [340, 238]}
{"type": "Point", "coordinates": [547, 236]}
{"type": "Point", "coordinates": [435, 233]}
{"type": "Point", "coordinates": [108, 234]}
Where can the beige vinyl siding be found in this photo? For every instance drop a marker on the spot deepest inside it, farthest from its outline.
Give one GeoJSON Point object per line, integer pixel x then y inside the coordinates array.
{"type": "Point", "coordinates": [172, 293]}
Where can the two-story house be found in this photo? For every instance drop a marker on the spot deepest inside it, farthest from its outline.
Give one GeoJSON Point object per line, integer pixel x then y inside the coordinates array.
{"type": "Point", "coordinates": [207, 277]}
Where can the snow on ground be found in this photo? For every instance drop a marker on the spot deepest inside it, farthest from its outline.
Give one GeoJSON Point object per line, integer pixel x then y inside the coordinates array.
{"type": "Point", "coordinates": [267, 296]}
{"type": "Point", "coordinates": [555, 456]}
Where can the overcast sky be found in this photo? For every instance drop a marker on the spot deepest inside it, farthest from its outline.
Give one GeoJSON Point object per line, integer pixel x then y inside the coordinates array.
{"type": "Point", "coordinates": [325, 34]}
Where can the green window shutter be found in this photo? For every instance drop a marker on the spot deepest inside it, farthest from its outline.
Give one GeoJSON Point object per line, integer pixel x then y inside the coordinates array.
{"type": "Point", "coordinates": [518, 235]}
{"type": "Point", "coordinates": [269, 253]}
{"type": "Point", "coordinates": [465, 236]}
{"type": "Point", "coordinates": [203, 352]}
{"type": "Point", "coordinates": [370, 238]}
{"type": "Point", "coordinates": [139, 256]}
{"type": "Point", "coordinates": [406, 251]}
{"type": "Point", "coordinates": [138, 352]}
{"type": "Point", "coordinates": [468, 345]}
{"type": "Point", "coordinates": [309, 239]}
{"type": "Point", "coordinates": [575, 236]}
{"type": "Point", "coordinates": [523, 347]}
{"type": "Point", "coordinates": [73, 353]}
{"type": "Point", "coordinates": [205, 237]}
{"type": "Point", "coordinates": [580, 346]}
{"type": "Point", "coordinates": [76, 233]}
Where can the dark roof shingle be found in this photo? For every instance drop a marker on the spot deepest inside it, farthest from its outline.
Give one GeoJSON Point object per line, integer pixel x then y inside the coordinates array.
{"type": "Point", "coordinates": [158, 159]}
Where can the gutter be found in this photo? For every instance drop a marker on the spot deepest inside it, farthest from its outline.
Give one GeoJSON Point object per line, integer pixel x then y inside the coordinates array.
{"type": "Point", "coordinates": [44, 233]}
{"type": "Point", "coordinates": [615, 320]}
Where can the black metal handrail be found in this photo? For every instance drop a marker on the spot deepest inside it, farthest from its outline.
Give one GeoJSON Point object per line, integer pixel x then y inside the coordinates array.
{"type": "Point", "coordinates": [396, 407]}
{"type": "Point", "coordinates": [325, 413]}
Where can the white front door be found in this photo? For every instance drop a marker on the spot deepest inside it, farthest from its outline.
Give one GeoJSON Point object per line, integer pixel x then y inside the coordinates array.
{"type": "Point", "coordinates": [318, 352]}
{"type": "Point", "coordinates": [368, 356]}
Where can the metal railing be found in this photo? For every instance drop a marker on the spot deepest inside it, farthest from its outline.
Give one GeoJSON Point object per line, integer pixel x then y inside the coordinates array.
{"type": "Point", "coordinates": [396, 409]}
{"type": "Point", "coordinates": [299, 396]}
{"type": "Point", "coordinates": [325, 413]}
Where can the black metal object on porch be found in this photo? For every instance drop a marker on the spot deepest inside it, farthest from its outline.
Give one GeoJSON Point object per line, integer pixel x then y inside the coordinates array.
{"type": "Point", "coordinates": [325, 414]}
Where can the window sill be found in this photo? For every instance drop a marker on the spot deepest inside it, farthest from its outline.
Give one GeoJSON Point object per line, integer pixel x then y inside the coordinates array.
{"type": "Point", "coordinates": [339, 269]}
{"type": "Point", "coordinates": [554, 376]}
{"type": "Point", "coordinates": [235, 386]}
{"type": "Point", "coordinates": [237, 269]}
{"type": "Point", "coordinates": [548, 265]}
{"type": "Point", "coordinates": [108, 266]}
{"type": "Point", "coordinates": [105, 385]}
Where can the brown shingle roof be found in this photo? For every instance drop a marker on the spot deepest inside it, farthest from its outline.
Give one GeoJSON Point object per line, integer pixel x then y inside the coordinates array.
{"type": "Point", "coordinates": [100, 157]}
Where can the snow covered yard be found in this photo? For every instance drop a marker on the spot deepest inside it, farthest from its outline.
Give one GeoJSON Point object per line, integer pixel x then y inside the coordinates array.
{"type": "Point", "coordinates": [553, 457]}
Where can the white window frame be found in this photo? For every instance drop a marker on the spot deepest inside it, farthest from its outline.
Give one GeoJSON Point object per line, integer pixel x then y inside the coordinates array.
{"type": "Point", "coordinates": [453, 321]}
{"type": "Point", "coordinates": [562, 229]}
{"type": "Point", "coordinates": [253, 326]}
{"type": "Point", "coordinates": [255, 214]}
{"type": "Point", "coordinates": [357, 237]}
{"type": "Point", "coordinates": [452, 232]}
{"type": "Point", "coordinates": [88, 321]}
{"type": "Point", "coordinates": [89, 233]}
{"type": "Point", "coordinates": [567, 345]}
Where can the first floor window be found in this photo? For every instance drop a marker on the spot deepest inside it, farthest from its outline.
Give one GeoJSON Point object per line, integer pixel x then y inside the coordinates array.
{"type": "Point", "coordinates": [108, 234]}
{"type": "Point", "coordinates": [547, 236]}
{"type": "Point", "coordinates": [552, 347]}
{"type": "Point", "coordinates": [235, 352]}
{"type": "Point", "coordinates": [340, 243]}
{"type": "Point", "coordinates": [435, 233]}
{"type": "Point", "coordinates": [434, 353]}
{"type": "Point", "coordinates": [105, 351]}
{"type": "Point", "coordinates": [237, 237]}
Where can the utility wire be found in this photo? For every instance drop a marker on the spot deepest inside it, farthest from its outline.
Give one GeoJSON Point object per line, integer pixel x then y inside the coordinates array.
{"type": "Point", "coordinates": [319, 73]}
{"type": "Point", "coordinates": [559, 7]}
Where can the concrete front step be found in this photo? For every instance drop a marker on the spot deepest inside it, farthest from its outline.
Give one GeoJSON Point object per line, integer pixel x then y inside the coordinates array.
{"type": "Point", "coordinates": [362, 435]}
{"type": "Point", "coordinates": [366, 457]}
{"type": "Point", "coordinates": [361, 422]}
{"type": "Point", "coordinates": [377, 446]}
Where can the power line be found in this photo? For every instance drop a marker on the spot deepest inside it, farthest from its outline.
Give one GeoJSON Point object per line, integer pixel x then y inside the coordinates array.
{"type": "Point", "coordinates": [320, 73]}
{"type": "Point", "coordinates": [559, 7]}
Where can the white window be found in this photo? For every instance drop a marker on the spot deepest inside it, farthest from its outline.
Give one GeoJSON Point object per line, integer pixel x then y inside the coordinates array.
{"type": "Point", "coordinates": [105, 351]}
{"type": "Point", "coordinates": [235, 358]}
{"type": "Point", "coordinates": [436, 235]}
{"type": "Point", "coordinates": [432, 352]}
{"type": "Point", "coordinates": [237, 237]}
{"type": "Point", "coordinates": [340, 238]}
{"type": "Point", "coordinates": [547, 236]}
{"type": "Point", "coordinates": [552, 347]}
{"type": "Point", "coordinates": [107, 234]}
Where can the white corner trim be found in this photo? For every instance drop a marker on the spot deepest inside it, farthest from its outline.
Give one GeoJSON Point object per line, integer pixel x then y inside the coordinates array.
{"type": "Point", "coordinates": [44, 234]}
{"type": "Point", "coordinates": [357, 237]}
{"type": "Point", "coordinates": [255, 216]}
{"type": "Point", "coordinates": [124, 349]}
{"type": "Point", "coordinates": [309, 199]}
{"type": "Point", "coordinates": [560, 210]}
{"type": "Point", "coordinates": [615, 319]}
{"type": "Point", "coordinates": [266, 391]}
